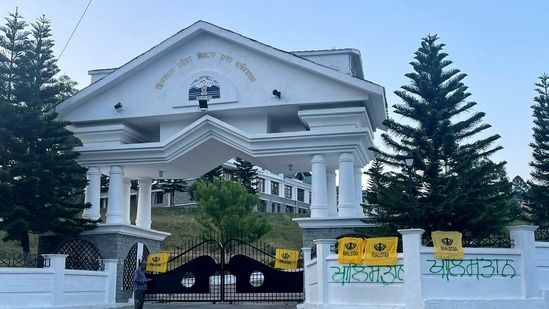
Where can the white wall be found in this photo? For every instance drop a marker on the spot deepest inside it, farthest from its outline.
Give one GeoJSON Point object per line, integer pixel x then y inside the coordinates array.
{"type": "Point", "coordinates": [502, 278]}
{"type": "Point", "coordinates": [542, 257]}
{"type": "Point", "coordinates": [56, 287]}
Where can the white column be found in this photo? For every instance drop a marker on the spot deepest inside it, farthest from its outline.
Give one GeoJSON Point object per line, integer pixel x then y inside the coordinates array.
{"type": "Point", "coordinates": [524, 239]}
{"type": "Point", "coordinates": [110, 288]}
{"type": "Point", "coordinates": [143, 218]}
{"type": "Point", "coordinates": [319, 203]}
{"type": "Point", "coordinates": [347, 206]}
{"type": "Point", "coordinates": [116, 194]}
{"type": "Point", "coordinates": [413, 287]}
{"type": "Point", "coordinates": [307, 275]}
{"type": "Point", "coordinates": [331, 187]}
{"type": "Point", "coordinates": [93, 194]}
{"type": "Point", "coordinates": [358, 191]}
{"type": "Point", "coordinates": [323, 269]}
{"type": "Point", "coordinates": [126, 204]}
{"type": "Point", "coordinates": [57, 264]}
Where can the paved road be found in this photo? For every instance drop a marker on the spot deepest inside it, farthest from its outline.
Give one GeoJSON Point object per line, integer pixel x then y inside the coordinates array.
{"type": "Point", "coordinates": [151, 305]}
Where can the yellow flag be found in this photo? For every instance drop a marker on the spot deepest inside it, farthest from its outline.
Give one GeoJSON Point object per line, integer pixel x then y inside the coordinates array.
{"type": "Point", "coordinates": [158, 262]}
{"type": "Point", "coordinates": [350, 250]}
{"type": "Point", "coordinates": [286, 259]}
{"type": "Point", "coordinates": [381, 251]}
{"type": "Point", "coordinates": [447, 245]}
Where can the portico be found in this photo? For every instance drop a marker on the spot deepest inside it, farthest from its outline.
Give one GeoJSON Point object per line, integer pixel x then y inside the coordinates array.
{"type": "Point", "coordinates": [207, 95]}
{"type": "Point", "coordinates": [145, 120]}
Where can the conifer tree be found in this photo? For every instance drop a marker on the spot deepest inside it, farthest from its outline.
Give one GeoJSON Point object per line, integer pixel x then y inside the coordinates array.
{"type": "Point", "coordinates": [42, 184]}
{"type": "Point", "coordinates": [538, 193]}
{"type": "Point", "coordinates": [455, 184]}
{"type": "Point", "coordinates": [171, 186]}
{"type": "Point", "coordinates": [383, 189]}
{"type": "Point", "coordinates": [520, 187]}
{"type": "Point", "coordinates": [246, 174]}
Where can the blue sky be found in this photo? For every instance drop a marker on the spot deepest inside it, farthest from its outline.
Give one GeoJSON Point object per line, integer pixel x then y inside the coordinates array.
{"type": "Point", "coordinates": [502, 46]}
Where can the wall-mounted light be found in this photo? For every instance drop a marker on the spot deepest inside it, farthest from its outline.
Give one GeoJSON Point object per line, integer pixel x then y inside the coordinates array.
{"type": "Point", "coordinates": [118, 107]}
{"type": "Point", "coordinates": [160, 174]}
{"type": "Point", "coordinates": [290, 167]}
{"type": "Point", "coordinates": [203, 102]}
{"type": "Point", "coordinates": [276, 94]}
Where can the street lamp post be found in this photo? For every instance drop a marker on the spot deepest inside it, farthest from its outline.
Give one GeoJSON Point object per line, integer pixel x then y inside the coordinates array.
{"type": "Point", "coordinates": [409, 160]}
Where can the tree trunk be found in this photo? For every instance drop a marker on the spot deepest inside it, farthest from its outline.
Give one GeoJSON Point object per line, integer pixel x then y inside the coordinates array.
{"type": "Point", "coordinates": [25, 245]}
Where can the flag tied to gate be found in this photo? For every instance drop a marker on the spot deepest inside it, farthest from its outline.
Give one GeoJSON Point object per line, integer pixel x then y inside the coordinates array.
{"type": "Point", "coordinates": [447, 245]}
{"type": "Point", "coordinates": [158, 262]}
{"type": "Point", "coordinates": [381, 251]}
{"type": "Point", "coordinates": [286, 259]}
{"type": "Point", "coordinates": [350, 250]}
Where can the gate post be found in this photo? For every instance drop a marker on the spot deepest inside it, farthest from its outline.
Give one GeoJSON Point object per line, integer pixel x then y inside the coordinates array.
{"type": "Point", "coordinates": [411, 249]}
{"type": "Point", "coordinates": [322, 251]}
{"type": "Point", "coordinates": [306, 280]}
{"type": "Point", "coordinates": [57, 263]}
{"type": "Point", "coordinates": [222, 275]}
{"type": "Point", "coordinates": [110, 268]}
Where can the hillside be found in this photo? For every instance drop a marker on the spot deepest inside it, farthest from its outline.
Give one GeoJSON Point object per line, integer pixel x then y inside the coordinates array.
{"type": "Point", "coordinates": [182, 226]}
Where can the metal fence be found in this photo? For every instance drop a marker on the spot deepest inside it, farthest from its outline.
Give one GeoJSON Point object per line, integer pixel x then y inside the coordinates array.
{"type": "Point", "coordinates": [542, 234]}
{"type": "Point", "coordinates": [19, 260]}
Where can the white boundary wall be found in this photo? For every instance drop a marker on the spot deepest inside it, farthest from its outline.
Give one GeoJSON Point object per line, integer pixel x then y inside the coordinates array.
{"type": "Point", "coordinates": [57, 287]}
{"type": "Point", "coordinates": [487, 278]}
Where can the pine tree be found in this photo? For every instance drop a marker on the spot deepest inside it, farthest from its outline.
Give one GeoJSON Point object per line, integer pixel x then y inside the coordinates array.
{"type": "Point", "coordinates": [383, 189]}
{"type": "Point", "coordinates": [520, 187]}
{"type": "Point", "coordinates": [455, 184]}
{"type": "Point", "coordinates": [13, 44]}
{"type": "Point", "coordinates": [43, 185]}
{"type": "Point", "coordinates": [171, 186]}
{"type": "Point", "coordinates": [246, 174]}
{"type": "Point", "coordinates": [209, 176]}
{"type": "Point", "coordinates": [538, 194]}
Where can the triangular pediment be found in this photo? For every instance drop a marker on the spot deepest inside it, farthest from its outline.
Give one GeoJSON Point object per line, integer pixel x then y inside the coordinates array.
{"type": "Point", "coordinates": [207, 94]}
{"type": "Point", "coordinates": [158, 92]}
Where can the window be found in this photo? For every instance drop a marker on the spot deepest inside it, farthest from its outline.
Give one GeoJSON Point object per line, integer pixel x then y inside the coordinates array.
{"type": "Point", "coordinates": [287, 191]}
{"type": "Point", "coordinates": [261, 185]}
{"type": "Point", "coordinates": [262, 206]}
{"type": "Point", "coordinates": [301, 195]}
{"type": "Point", "coordinates": [158, 198]}
{"type": "Point", "coordinates": [274, 188]}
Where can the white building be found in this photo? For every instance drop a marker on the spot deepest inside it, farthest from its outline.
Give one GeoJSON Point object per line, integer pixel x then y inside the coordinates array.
{"type": "Point", "coordinates": [206, 95]}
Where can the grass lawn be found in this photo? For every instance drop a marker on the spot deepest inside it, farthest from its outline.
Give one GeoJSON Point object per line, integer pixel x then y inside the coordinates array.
{"type": "Point", "coordinates": [183, 227]}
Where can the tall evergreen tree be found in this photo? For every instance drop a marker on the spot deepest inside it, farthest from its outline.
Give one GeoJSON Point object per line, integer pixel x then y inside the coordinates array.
{"type": "Point", "coordinates": [384, 189]}
{"type": "Point", "coordinates": [246, 174]}
{"type": "Point", "coordinates": [42, 184]}
{"type": "Point", "coordinates": [538, 194]}
{"type": "Point", "coordinates": [520, 187]}
{"type": "Point", "coordinates": [455, 184]}
{"type": "Point", "coordinates": [13, 44]}
{"type": "Point", "coordinates": [209, 176]}
{"type": "Point", "coordinates": [171, 186]}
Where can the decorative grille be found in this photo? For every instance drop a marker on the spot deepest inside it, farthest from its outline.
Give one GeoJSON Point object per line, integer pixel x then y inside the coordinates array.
{"type": "Point", "coordinates": [82, 255]}
{"type": "Point", "coordinates": [130, 263]}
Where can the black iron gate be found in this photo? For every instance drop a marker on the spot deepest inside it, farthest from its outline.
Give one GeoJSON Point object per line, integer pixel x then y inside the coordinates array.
{"type": "Point", "coordinates": [234, 271]}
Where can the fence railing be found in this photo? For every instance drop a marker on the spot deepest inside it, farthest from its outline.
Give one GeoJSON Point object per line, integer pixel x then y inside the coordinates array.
{"type": "Point", "coordinates": [31, 261]}
{"type": "Point", "coordinates": [542, 234]}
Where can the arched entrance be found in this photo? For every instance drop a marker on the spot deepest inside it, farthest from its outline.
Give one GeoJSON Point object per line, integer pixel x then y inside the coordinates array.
{"type": "Point", "coordinates": [207, 95]}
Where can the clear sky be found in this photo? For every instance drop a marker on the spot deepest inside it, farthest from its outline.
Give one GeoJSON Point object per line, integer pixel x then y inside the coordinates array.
{"type": "Point", "coordinates": [503, 46]}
